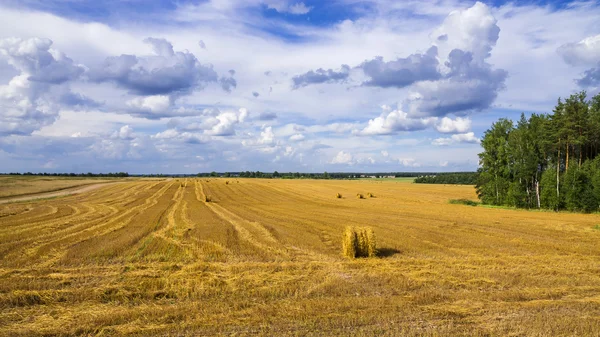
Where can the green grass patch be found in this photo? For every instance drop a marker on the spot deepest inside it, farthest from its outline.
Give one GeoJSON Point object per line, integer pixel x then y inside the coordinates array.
{"type": "Point", "coordinates": [464, 202]}
{"type": "Point", "coordinates": [597, 227]}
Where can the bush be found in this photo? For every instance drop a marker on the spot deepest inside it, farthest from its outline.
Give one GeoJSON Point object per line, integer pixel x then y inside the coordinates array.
{"type": "Point", "coordinates": [359, 242]}
{"type": "Point", "coordinates": [464, 202]}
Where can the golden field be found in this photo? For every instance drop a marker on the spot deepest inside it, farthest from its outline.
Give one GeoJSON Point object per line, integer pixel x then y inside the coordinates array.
{"type": "Point", "coordinates": [263, 257]}
{"type": "Point", "coordinates": [11, 186]}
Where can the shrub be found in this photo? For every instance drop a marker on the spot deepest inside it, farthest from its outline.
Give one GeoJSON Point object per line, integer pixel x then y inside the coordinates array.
{"type": "Point", "coordinates": [359, 242]}
{"type": "Point", "coordinates": [339, 196]}
{"type": "Point", "coordinates": [464, 202]}
{"type": "Point", "coordinates": [360, 196]}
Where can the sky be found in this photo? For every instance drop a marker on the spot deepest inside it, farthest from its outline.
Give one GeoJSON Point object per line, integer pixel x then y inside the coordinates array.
{"type": "Point", "coordinates": [182, 86]}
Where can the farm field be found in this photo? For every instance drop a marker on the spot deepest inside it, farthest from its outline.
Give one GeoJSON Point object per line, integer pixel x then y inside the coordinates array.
{"type": "Point", "coordinates": [263, 257]}
{"type": "Point", "coordinates": [13, 186]}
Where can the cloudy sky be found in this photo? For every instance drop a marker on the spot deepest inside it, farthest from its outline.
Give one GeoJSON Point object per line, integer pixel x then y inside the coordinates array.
{"type": "Point", "coordinates": [179, 86]}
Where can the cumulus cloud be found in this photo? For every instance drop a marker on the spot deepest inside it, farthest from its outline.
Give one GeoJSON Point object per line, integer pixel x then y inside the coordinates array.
{"type": "Point", "coordinates": [458, 125]}
{"type": "Point", "coordinates": [468, 83]}
{"type": "Point", "coordinates": [468, 137]}
{"type": "Point", "coordinates": [409, 162]}
{"type": "Point", "coordinates": [264, 143]}
{"type": "Point", "coordinates": [321, 76]}
{"type": "Point", "coordinates": [166, 72]}
{"type": "Point", "coordinates": [297, 137]}
{"type": "Point", "coordinates": [28, 102]}
{"type": "Point", "coordinates": [224, 123]}
{"type": "Point", "coordinates": [401, 72]}
{"type": "Point", "coordinates": [342, 158]}
{"type": "Point", "coordinates": [157, 105]}
{"type": "Point", "coordinates": [474, 30]}
{"type": "Point", "coordinates": [35, 58]}
{"type": "Point", "coordinates": [451, 77]}
{"type": "Point", "coordinates": [125, 132]}
{"type": "Point", "coordinates": [393, 121]}
{"type": "Point", "coordinates": [584, 52]}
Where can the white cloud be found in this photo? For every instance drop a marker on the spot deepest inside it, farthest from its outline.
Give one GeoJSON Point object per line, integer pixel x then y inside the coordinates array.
{"type": "Point", "coordinates": [342, 158]}
{"type": "Point", "coordinates": [457, 125]}
{"type": "Point", "coordinates": [156, 104]}
{"type": "Point", "coordinates": [473, 30]}
{"type": "Point", "coordinates": [468, 137]}
{"type": "Point", "coordinates": [32, 98]}
{"type": "Point", "coordinates": [395, 121]}
{"type": "Point", "coordinates": [224, 123]}
{"type": "Point", "coordinates": [297, 137]}
{"type": "Point", "coordinates": [584, 52]}
{"type": "Point", "coordinates": [409, 162]}
{"type": "Point", "coordinates": [125, 132]}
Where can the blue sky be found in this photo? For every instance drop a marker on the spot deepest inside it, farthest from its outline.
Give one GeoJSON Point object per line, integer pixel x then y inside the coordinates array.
{"type": "Point", "coordinates": [228, 85]}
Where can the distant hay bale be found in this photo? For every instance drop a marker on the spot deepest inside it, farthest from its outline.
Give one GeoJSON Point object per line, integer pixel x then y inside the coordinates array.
{"type": "Point", "coordinates": [360, 196]}
{"type": "Point", "coordinates": [337, 195]}
{"type": "Point", "coordinates": [227, 182]}
{"type": "Point", "coordinates": [207, 198]}
{"type": "Point", "coordinates": [359, 242]}
{"type": "Point", "coordinates": [370, 195]}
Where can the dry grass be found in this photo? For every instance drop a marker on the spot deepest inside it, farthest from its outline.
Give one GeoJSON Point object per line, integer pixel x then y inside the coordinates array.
{"type": "Point", "coordinates": [154, 258]}
{"type": "Point", "coordinates": [11, 186]}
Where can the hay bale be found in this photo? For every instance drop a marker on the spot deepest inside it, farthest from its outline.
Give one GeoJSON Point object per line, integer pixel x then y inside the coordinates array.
{"type": "Point", "coordinates": [339, 196]}
{"type": "Point", "coordinates": [359, 242]}
{"type": "Point", "coordinates": [360, 196]}
{"type": "Point", "coordinates": [227, 182]}
{"type": "Point", "coordinates": [370, 195]}
{"type": "Point", "coordinates": [349, 242]}
{"type": "Point", "coordinates": [207, 198]}
{"type": "Point", "coordinates": [371, 242]}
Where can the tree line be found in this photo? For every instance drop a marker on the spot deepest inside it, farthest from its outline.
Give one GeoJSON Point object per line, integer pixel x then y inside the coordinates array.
{"type": "Point", "coordinates": [89, 174]}
{"type": "Point", "coordinates": [457, 178]}
{"type": "Point", "coordinates": [545, 161]}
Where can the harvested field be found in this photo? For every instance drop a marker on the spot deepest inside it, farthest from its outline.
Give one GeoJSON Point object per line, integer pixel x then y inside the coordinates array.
{"type": "Point", "coordinates": [264, 257]}
{"type": "Point", "coordinates": [12, 186]}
